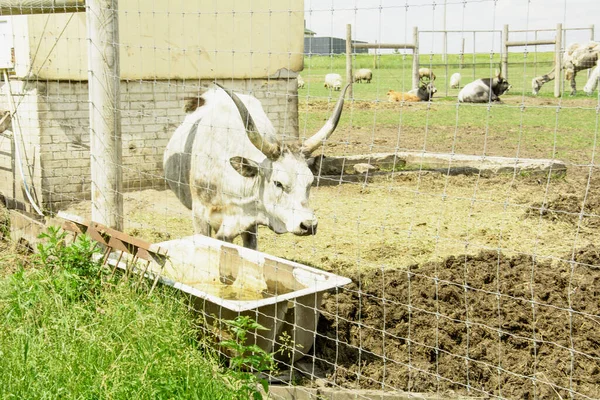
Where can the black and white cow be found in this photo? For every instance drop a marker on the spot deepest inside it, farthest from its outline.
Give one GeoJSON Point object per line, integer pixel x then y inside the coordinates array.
{"type": "Point", "coordinates": [484, 90]}
{"type": "Point", "coordinates": [226, 163]}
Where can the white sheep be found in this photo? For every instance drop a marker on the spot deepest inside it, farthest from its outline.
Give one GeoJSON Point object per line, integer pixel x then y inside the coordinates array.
{"type": "Point", "coordinates": [426, 73]}
{"type": "Point", "coordinates": [455, 80]}
{"type": "Point", "coordinates": [363, 74]}
{"type": "Point", "coordinates": [300, 82]}
{"type": "Point", "coordinates": [333, 81]}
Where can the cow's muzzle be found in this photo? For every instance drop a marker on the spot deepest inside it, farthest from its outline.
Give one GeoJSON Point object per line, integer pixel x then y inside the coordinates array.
{"type": "Point", "coordinates": [307, 228]}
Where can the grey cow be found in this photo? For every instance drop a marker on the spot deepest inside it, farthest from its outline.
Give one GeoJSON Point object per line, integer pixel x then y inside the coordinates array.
{"type": "Point", "coordinates": [484, 90]}
{"type": "Point", "coordinates": [226, 164]}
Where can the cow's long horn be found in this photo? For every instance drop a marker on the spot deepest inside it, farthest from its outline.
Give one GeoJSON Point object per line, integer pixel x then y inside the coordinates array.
{"type": "Point", "coordinates": [313, 142]}
{"type": "Point", "coordinates": [271, 150]}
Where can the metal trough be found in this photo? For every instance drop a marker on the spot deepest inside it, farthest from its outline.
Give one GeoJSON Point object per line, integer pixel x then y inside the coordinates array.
{"type": "Point", "coordinates": [226, 280]}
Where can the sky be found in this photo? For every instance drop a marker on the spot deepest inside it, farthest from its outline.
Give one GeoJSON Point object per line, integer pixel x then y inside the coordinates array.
{"type": "Point", "coordinates": [391, 21]}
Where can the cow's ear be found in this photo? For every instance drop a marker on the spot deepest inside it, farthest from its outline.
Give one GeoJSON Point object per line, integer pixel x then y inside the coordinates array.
{"type": "Point", "coordinates": [244, 166]}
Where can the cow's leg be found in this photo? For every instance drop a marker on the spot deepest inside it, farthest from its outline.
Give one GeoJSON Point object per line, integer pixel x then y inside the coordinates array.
{"type": "Point", "coordinates": [249, 238]}
{"type": "Point", "coordinates": [538, 82]}
{"type": "Point", "coordinates": [573, 84]}
{"type": "Point", "coordinates": [201, 225]}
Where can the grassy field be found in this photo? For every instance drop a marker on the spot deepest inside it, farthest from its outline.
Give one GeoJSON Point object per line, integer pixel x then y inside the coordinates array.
{"type": "Point", "coordinates": [394, 71]}
{"type": "Point", "coordinates": [522, 125]}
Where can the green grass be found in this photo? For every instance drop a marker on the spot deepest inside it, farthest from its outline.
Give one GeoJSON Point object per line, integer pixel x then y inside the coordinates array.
{"type": "Point", "coordinates": [64, 334]}
{"type": "Point", "coordinates": [394, 71]}
{"type": "Point", "coordinates": [541, 126]}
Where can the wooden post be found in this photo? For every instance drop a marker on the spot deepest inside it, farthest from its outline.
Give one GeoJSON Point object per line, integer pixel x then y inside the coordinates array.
{"type": "Point", "coordinates": [445, 43]}
{"type": "Point", "coordinates": [474, 54]}
{"type": "Point", "coordinates": [105, 121]}
{"type": "Point", "coordinates": [349, 78]}
{"type": "Point", "coordinates": [535, 48]}
{"type": "Point", "coordinates": [415, 71]}
{"type": "Point", "coordinates": [505, 52]}
{"type": "Point", "coordinates": [462, 54]}
{"type": "Point", "coordinates": [592, 37]}
{"type": "Point", "coordinates": [558, 60]}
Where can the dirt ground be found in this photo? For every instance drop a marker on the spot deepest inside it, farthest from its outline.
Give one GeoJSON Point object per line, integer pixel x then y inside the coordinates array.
{"type": "Point", "coordinates": [460, 283]}
{"type": "Point", "coordinates": [483, 325]}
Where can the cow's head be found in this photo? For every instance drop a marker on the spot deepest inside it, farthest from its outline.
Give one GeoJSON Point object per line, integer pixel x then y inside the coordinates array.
{"type": "Point", "coordinates": [283, 177]}
{"type": "Point", "coordinates": [427, 90]}
{"type": "Point", "coordinates": [499, 84]}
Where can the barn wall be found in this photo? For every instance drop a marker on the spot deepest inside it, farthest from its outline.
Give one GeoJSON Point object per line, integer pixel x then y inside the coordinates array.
{"type": "Point", "coordinates": [151, 110]}
{"type": "Point", "coordinates": [171, 40]}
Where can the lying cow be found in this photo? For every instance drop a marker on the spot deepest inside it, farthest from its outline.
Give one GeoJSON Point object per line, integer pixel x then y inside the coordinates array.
{"type": "Point", "coordinates": [363, 75]}
{"type": "Point", "coordinates": [225, 163]}
{"type": "Point", "coordinates": [424, 93]}
{"type": "Point", "coordinates": [333, 81]}
{"type": "Point", "coordinates": [484, 90]}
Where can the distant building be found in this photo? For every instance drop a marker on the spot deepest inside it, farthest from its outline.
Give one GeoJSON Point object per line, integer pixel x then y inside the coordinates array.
{"type": "Point", "coordinates": [328, 45]}
{"type": "Point", "coordinates": [308, 32]}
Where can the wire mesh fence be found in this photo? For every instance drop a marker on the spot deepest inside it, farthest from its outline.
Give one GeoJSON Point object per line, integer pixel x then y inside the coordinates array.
{"type": "Point", "coordinates": [445, 245]}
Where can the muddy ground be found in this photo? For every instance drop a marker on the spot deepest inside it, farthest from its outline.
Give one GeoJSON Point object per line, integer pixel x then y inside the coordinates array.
{"type": "Point", "coordinates": [485, 324]}
{"type": "Point", "coordinates": [460, 283]}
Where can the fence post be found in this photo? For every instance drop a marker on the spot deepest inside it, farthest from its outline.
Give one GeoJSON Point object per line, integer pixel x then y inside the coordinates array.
{"type": "Point", "coordinates": [558, 60]}
{"type": "Point", "coordinates": [474, 54]}
{"type": "Point", "coordinates": [462, 54]}
{"type": "Point", "coordinates": [349, 78]}
{"type": "Point", "coordinates": [592, 37]}
{"type": "Point", "coordinates": [505, 52]}
{"type": "Point", "coordinates": [105, 121]}
{"type": "Point", "coordinates": [535, 49]}
{"type": "Point", "coordinates": [415, 68]}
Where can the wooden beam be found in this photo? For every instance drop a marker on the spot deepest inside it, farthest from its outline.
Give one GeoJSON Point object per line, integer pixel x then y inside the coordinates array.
{"type": "Point", "coordinates": [529, 43]}
{"type": "Point", "coordinates": [382, 46]}
{"type": "Point", "coordinates": [24, 7]}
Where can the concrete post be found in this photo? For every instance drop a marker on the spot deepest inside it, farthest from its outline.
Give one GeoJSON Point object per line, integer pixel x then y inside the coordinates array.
{"type": "Point", "coordinates": [105, 121]}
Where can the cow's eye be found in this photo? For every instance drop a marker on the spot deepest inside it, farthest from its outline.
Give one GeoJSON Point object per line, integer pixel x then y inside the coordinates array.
{"type": "Point", "coordinates": [278, 184]}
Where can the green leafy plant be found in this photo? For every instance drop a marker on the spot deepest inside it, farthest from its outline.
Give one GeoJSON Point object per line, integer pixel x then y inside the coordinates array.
{"type": "Point", "coordinates": [75, 273]}
{"type": "Point", "coordinates": [247, 361]}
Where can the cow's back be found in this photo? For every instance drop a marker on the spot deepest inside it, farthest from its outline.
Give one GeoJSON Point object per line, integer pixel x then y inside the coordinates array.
{"type": "Point", "coordinates": [198, 153]}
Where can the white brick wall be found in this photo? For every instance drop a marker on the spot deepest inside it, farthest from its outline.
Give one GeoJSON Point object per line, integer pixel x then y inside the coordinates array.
{"type": "Point", "coordinates": [150, 113]}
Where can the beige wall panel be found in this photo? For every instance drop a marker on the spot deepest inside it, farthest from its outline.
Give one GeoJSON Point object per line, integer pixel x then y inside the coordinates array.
{"type": "Point", "coordinates": [177, 40]}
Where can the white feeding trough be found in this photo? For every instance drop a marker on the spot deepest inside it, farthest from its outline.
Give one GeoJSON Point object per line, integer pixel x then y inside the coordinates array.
{"type": "Point", "coordinates": [225, 281]}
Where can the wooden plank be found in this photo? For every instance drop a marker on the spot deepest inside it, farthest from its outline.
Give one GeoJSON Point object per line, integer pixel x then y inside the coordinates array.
{"type": "Point", "coordinates": [383, 46]}
{"type": "Point", "coordinates": [529, 43]}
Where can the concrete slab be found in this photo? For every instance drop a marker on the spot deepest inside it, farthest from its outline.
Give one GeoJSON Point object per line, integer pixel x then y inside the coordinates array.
{"type": "Point", "coordinates": [451, 164]}
{"type": "Point", "coordinates": [277, 392]}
